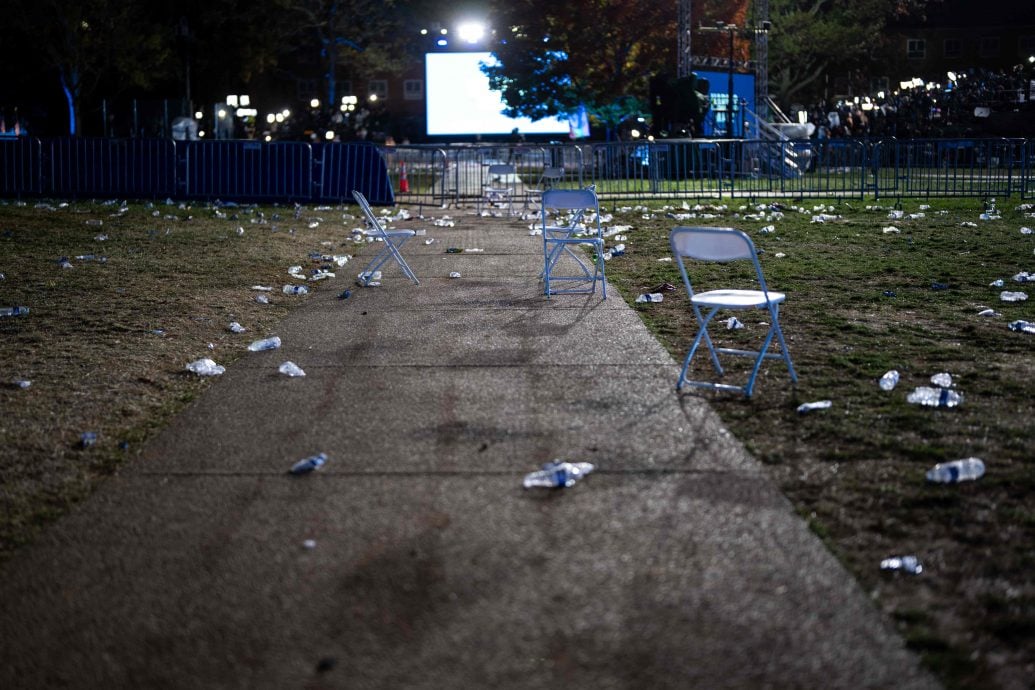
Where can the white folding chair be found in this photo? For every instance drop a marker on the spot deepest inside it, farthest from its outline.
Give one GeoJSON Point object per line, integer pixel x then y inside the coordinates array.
{"type": "Point", "coordinates": [563, 215]}
{"type": "Point", "coordinates": [726, 245]}
{"type": "Point", "coordinates": [548, 179]}
{"type": "Point", "coordinates": [500, 186]}
{"type": "Point", "coordinates": [392, 240]}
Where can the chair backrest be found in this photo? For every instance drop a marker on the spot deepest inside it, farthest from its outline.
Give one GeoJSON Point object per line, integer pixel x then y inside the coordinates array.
{"type": "Point", "coordinates": [570, 199]}
{"type": "Point", "coordinates": [364, 206]}
{"type": "Point", "coordinates": [711, 244]}
{"type": "Point", "coordinates": [552, 174]}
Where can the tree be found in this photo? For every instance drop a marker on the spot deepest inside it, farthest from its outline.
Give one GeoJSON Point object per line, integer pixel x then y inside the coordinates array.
{"type": "Point", "coordinates": [84, 46]}
{"type": "Point", "coordinates": [554, 57]}
{"type": "Point", "coordinates": [812, 39]}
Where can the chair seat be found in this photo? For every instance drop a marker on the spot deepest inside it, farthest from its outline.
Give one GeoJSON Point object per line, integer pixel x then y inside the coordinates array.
{"type": "Point", "coordinates": [737, 299]}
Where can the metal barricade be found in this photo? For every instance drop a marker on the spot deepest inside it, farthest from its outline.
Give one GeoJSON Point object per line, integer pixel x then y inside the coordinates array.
{"type": "Point", "coordinates": [21, 167]}
{"type": "Point", "coordinates": [919, 168]}
{"type": "Point", "coordinates": [133, 168]}
{"type": "Point", "coordinates": [249, 170]}
{"type": "Point", "coordinates": [344, 167]}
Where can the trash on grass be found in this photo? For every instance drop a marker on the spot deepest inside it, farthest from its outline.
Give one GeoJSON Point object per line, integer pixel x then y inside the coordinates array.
{"type": "Point", "coordinates": [907, 564]}
{"type": "Point", "coordinates": [235, 327]}
{"type": "Point", "coordinates": [889, 380]}
{"type": "Point", "coordinates": [291, 369]}
{"type": "Point", "coordinates": [307, 465]}
{"type": "Point", "coordinates": [271, 343]}
{"type": "Point", "coordinates": [812, 406]}
{"type": "Point", "coordinates": [1008, 296]}
{"type": "Point", "coordinates": [1022, 326]}
{"type": "Point", "coordinates": [733, 323]}
{"type": "Point", "coordinates": [651, 297]}
{"type": "Point", "coordinates": [956, 471]}
{"type": "Point", "coordinates": [558, 474]}
{"type": "Point", "coordinates": [934, 397]}
{"type": "Point", "coordinates": [942, 380]}
{"type": "Point", "coordinates": [205, 367]}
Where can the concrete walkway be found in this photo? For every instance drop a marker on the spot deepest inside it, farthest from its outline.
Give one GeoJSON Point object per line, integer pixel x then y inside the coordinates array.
{"type": "Point", "coordinates": [676, 565]}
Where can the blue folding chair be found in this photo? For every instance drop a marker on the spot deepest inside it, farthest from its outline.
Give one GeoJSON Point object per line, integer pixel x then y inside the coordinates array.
{"type": "Point", "coordinates": [726, 245]}
{"type": "Point", "coordinates": [562, 214]}
{"type": "Point", "coordinates": [392, 240]}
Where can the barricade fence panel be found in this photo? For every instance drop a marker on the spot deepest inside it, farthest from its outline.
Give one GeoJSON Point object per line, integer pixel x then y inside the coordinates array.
{"type": "Point", "coordinates": [456, 175]}
{"type": "Point", "coordinates": [21, 167]}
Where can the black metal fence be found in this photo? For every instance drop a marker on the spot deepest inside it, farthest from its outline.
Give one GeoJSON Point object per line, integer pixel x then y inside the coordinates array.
{"type": "Point", "coordinates": [245, 170]}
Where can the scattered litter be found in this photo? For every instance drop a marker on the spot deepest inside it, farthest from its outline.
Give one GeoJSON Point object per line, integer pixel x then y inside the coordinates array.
{"type": "Point", "coordinates": [896, 215]}
{"type": "Point", "coordinates": [94, 222]}
{"type": "Point", "coordinates": [812, 406]}
{"type": "Point", "coordinates": [891, 229]}
{"type": "Point", "coordinates": [345, 294]}
{"type": "Point", "coordinates": [454, 250]}
{"type": "Point", "coordinates": [454, 274]}
{"type": "Point", "coordinates": [262, 288]}
{"type": "Point", "coordinates": [14, 311]}
{"type": "Point", "coordinates": [1022, 326]}
{"type": "Point", "coordinates": [663, 287]}
{"type": "Point", "coordinates": [87, 439]}
{"type": "Point", "coordinates": [889, 380]}
{"type": "Point", "coordinates": [998, 282]}
{"type": "Point", "coordinates": [939, 286]}
{"type": "Point", "coordinates": [988, 312]}
{"type": "Point", "coordinates": [1008, 296]}
{"type": "Point", "coordinates": [271, 343]}
{"type": "Point", "coordinates": [1024, 277]}
{"type": "Point", "coordinates": [942, 380]}
{"type": "Point", "coordinates": [934, 397]}
{"type": "Point", "coordinates": [291, 369]}
{"type": "Point", "coordinates": [665, 259]}
{"type": "Point", "coordinates": [309, 544]}
{"type": "Point", "coordinates": [261, 298]}
{"type": "Point", "coordinates": [768, 230]}
{"type": "Point", "coordinates": [1026, 231]}
{"type": "Point", "coordinates": [240, 231]}
{"type": "Point", "coordinates": [906, 564]}
{"type": "Point", "coordinates": [558, 474]}
{"type": "Point", "coordinates": [968, 224]}
{"type": "Point", "coordinates": [368, 279]}
{"type": "Point", "coordinates": [651, 297]}
{"type": "Point", "coordinates": [296, 290]}
{"type": "Point", "coordinates": [780, 255]}
{"type": "Point", "coordinates": [733, 323]}
{"type": "Point", "coordinates": [956, 471]}
{"type": "Point", "coordinates": [889, 293]}
{"type": "Point", "coordinates": [101, 238]}
{"type": "Point", "coordinates": [430, 240]}
{"type": "Point", "coordinates": [307, 465]}
{"type": "Point", "coordinates": [474, 250]}
{"type": "Point", "coordinates": [205, 367]}
{"type": "Point", "coordinates": [21, 383]}
{"type": "Point", "coordinates": [236, 327]}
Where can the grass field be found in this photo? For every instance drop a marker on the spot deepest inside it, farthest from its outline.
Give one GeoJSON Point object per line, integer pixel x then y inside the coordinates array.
{"type": "Point", "coordinates": [105, 345]}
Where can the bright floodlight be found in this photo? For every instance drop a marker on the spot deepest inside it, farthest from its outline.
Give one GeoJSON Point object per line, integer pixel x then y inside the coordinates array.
{"type": "Point", "coordinates": [245, 100]}
{"type": "Point", "coordinates": [271, 118]}
{"type": "Point", "coordinates": [231, 101]}
{"type": "Point", "coordinates": [329, 135]}
{"type": "Point", "coordinates": [198, 115]}
{"type": "Point", "coordinates": [471, 32]}
{"type": "Point", "coordinates": [315, 103]}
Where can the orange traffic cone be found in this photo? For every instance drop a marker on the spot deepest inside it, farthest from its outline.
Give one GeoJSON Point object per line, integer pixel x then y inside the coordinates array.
{"type": "Point", "coordinates": [404, 184]}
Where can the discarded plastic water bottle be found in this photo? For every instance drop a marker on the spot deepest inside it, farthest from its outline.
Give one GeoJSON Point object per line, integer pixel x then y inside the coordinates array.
{"type": "Point", "coordinates": [236, 327]}
{"type": "Point", "coordinates": [291, 369]}
{"type": "Point", "coordinates": [307, 465]}
{"type": "Point", "coordinates": [454, 274]}
{"type": "Point", "coordinates": [650, 297]}
{"type": "Point", "coordinates": [1022, 326]}
{"type": "Point", "coordinates": [733, 323]}
{"type": "Point", "coordinates": [205, 367]}
{"type": "Point", "coordinates": [94, 222]}
{"type": "Point", "coordinates": [261, 298]}
{"type": "Point", "coordinates": [934, 397]}
{"type": "Point", "coordinates": [811, 406]}
{"type": "Point", "coordinates": [558, 474]}
{"type": "Point", "coordinates": [907, 564]}
{"type": "Point", "coordinates": [87, 439]}
{"type": "Point", "coordinates": [889, 380]}
{"type": "Point", "coordinates": [964, 470]}
{"type": "Point", "coordinates": [1011, 296]}
{"type": "Point", "coordinates": [943, 380]}
{"type": "Point", "coordinates": [296, 290]}
{"type": "Point", "coordinates": [265, 344]}
{"type": "Point", "coordinates": [14, 311]}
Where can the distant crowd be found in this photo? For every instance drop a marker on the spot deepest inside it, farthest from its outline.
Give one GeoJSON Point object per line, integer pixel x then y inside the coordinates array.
{"type": "Point", "coordinates": [926, 110]}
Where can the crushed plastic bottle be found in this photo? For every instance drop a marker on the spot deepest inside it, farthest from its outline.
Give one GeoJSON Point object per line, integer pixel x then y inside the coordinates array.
{"type": "Point", "coordinates": [14, 311]}
{"type": "Point", "coordinates": [956, 471]}
{"type": "Point", "coordinates": [262, 298]}
{"type": "Point", "coordinates": [812, 406]}
{"type": "Point", "coordinates": [291, 369]}
{"type": "Point", "coordinates": [87, 439]}
{"type": "Point", "coordinates": [1012, 296]}
{"type": "Point", "coordinates": [889, 380]}
{"type": "Point", "coordinates": [650, 297]}
{"type": "Point", "coordinates": [906, 564]}
{"type": "Point", "coordinates": [934, 397]}
{"type": "Point", "coordinates": [454, 274]}
{"type": "Point", "coordinates": [558, 474]}
{"type": "Point", "coordinates": [296, 290]}
{"type": "Point", "coordinates": [271, 343]}
{"type": "Point", "coordinates": [307, 465]}
{"type": "Point", "coordinates": [1022, 326]}
{"type": "Point", "coordinates": [235, 327]}
{"type": "Point", "coordinates": [942, 380]}
{"type": "Point", "coordinates": [205, 367]}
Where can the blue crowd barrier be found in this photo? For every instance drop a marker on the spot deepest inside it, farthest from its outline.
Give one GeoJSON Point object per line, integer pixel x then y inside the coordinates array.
{"type": "Point", "coordinates": [271, 172]}
{"type": "Point", "coordinates": [249, 170]}
{"type": "Point", "coordinates": [138, 168]}
{"type": "Point", "coordinates": [342, 168]}
{"type": "Point", "coordinates": [21, 167]}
